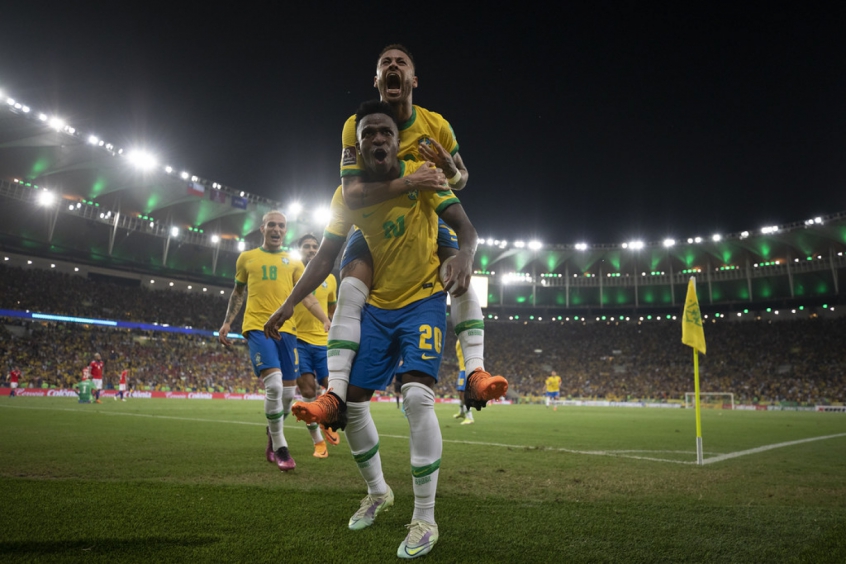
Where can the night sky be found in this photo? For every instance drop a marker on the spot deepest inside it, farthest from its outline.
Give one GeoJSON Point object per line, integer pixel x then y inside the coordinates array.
{"type": "Point", "coordinates": [595, 122]}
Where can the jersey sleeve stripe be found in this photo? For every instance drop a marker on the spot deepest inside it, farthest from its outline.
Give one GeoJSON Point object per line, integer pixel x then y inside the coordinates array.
{"type": "Point", "coordinates": [454, 151]}
{"type": "Point", "coordinates": [351, 172]}
{"type": "Point", "coordinates": [445, 204]}
{"type": "Point", "coordinates": [333, 236]}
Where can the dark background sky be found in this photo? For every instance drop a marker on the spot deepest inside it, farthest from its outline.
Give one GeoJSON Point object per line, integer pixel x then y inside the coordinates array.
{"type": "Point", "coordinates": [593, 121]}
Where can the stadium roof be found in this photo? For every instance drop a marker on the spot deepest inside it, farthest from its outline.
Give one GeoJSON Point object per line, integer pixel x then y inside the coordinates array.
{"type": "Point", "coordinates": [119, 208]}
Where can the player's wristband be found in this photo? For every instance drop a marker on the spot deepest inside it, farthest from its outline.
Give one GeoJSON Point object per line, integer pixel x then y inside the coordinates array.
{"type": "Point", "coordinates": [455, 179]}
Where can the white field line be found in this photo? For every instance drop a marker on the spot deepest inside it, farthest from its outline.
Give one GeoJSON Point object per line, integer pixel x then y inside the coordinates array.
{"type": "Point", "coordinates": [614, 453]}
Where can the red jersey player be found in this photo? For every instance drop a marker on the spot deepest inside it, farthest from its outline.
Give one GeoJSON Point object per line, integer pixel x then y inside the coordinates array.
{"type": "Point", "coordinates": [14, 379]}
{"type": "Point", "coordinates": [96, 368]}
{"type": "Point", "coordinates": [122, 386]}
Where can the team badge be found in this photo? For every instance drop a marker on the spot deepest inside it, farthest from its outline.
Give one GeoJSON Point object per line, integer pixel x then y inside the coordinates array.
{"type": "Point", "coordinates": [325, 285]}
{"type": "Point", "coordinates": [348, 156]}
{"type": "Point", "coordinates": [412, 195]}
{"type": "Point", "coordinates": [285, 261]}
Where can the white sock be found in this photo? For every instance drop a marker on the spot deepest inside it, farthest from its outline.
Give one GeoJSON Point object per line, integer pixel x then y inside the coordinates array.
{"type": "Point", "coordinates": [426, 448]}
{"type": "Point", "coordinates": [287, 399]}
{"type": "Point", "coordinates": [345, 333]}
{"type": "Point", "coordinates": [469, 414]}
{"type": "Point", "coordinates": [470, 328]}
{"type": "Point", "coordinates": [314, 428]}
{"type": "Point", "coordinates": [364, 444]}
{"type": "Point", "coordinates": [273, 409]}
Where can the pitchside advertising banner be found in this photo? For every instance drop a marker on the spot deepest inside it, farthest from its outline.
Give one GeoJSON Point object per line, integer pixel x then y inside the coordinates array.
{"type": "Point", "coordinates": [105, 394]}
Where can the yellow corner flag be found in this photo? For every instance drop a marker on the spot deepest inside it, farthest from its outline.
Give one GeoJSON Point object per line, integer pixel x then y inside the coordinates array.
{"type": "Point", "coordinates": [693, 335]}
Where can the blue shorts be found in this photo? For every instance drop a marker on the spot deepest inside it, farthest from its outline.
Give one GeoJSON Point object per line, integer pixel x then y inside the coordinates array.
{"type": "Point", "coordinates": [462, 381]}
{"type": "Point", "coordinates": [357, 246]}
{"type": "Point", "coordinates": [266, 353]}
{"type": "Point", "coordinates": [553, 395]}
{"type": "Point", "coordinates": [413, 334]}
{"type": "Point", "coordinates": [312, 359]}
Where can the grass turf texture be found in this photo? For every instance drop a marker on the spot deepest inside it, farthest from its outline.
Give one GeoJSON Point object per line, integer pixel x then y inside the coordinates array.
{"type": "Point", "coordinates": [171, 480]}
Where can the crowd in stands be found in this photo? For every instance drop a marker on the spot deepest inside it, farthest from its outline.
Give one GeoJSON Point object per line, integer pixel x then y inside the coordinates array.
{"type": "Point", "coordinates": [761, 361]}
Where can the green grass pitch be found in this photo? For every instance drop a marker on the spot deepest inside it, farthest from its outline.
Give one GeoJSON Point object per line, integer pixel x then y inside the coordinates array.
{"type": "Point", "coordinates": [184, 480]}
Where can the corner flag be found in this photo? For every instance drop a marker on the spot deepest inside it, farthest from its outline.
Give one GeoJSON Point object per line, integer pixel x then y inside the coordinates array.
{"type": "Point", "coordinates": [693, 335]}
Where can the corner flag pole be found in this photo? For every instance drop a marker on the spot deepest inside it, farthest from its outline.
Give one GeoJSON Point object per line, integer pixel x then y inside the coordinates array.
{"type": "Point", "coordinates": [693, 335]}
{"type": "Point", "coordinates": [698, 407]}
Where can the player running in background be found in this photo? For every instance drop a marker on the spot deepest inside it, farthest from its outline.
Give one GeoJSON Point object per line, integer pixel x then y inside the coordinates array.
{"type": "Point", "coordinates": [264, 277]}
{"type": "Point", "coordinates": [122, 386]}
{"type": "Point", "coordinates": [14, 381]}
{"type": "Point", "coordinates": [96, 369]}
{"type": "Point", "coordinates": [463, 412]}
{"type": "Point", "coordinates": [424, 136]}
{"type": "Point", "coordinates": [405, 319]}
{"type": "Point", "coordinates": [553, 390]}
{"type": "Point", "coordinates": [84, 387]}
{"type": "Point", "coordinates": [311, 344]}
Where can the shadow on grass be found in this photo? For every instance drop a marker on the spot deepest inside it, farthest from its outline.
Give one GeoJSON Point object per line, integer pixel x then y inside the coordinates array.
{"type": "Point", "coordinates": [127, 547]}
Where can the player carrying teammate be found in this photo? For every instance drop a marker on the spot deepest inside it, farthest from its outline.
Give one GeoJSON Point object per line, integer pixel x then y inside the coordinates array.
{"type": "Point", "coordinates": [553, 390]}
{"type": "Point", "coordinates": [311, 344]}
{"type": "Point", "coordinates": [424, 136]}
{"type": "Point", "coordinates": [264, 277]}
{"type": "Point", "coordinates": [96, 368]}
{"type": "Point", "coordinates": [404, 319]}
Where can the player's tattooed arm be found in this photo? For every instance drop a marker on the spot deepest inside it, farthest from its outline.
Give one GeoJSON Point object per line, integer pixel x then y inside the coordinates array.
{"type": "Point", "coordinates": [236, 301]}
{"type": "Point", "coordinates": [360, 194]}
{"type": "Point", "coordinates": [450, 164]}
{"type": "Point", "coordinates": [460, 269]}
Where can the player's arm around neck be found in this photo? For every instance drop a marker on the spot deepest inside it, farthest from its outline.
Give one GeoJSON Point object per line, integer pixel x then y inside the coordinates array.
{"type": "Point", "coordinates": [360, 194]}
{"type": "Point", "coordinates": [315, 273]}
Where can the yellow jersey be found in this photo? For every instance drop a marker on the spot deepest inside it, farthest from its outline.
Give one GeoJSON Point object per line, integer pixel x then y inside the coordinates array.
{"type": "Point", "coordinates": [460, 354]}
{"type": "Point", "coordinates": [553, 384]}
{"type": "Point", "coordinates": [421, 126]}
{"type": "Point", "coordinates": [401, 234]}
{"type": "Point", "coordinates": [269, 276]}
{"type": "Point", "coordinates": [309, 328]}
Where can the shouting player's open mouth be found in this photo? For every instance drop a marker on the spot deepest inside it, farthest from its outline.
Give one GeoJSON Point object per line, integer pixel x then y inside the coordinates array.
{"type": "Point", "coordinates": [393, 84]}
{"type": "Point", "coordinates": [379, 156]}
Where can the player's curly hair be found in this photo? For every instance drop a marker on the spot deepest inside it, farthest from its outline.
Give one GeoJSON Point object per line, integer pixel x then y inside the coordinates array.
{"type": "Point", "coordinates": [305, 237]}
{"type": "Point", "coordinates": [375, 107]}
{"type": "Point", "coordinates": [398, 47]}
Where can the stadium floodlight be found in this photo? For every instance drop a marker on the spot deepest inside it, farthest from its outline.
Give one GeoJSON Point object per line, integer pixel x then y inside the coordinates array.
{"type": "Point", "coordinates": [636, 245]}
{"type": "Point", "coordinates": [42, 117]}
{"type": "Point", "coordinates": [818, 220]}
{"type": "Point", "coordinates": [92, 139]}
{"type": "Point", "coordinates": [242, 193]}
{"type": "Point", "coordinates": [10, 101]}
{"type": "Point", "coordinates": [184, 175]}
{"type": "Point", "coordinates": [581, 246]}
{"type": "Point", "coordinates": [170, 284]}
{"type": "Point", "coordinates": [52, 265]}
{"type": "Point", "coordinates": [322, 215]}
{"type": "Point", "coordinates": [519, 244]}
{"type": "Point", "coordinates": [174, 231]}
{"type": "Point", "coordinates": [503, 244]}
{"type": "Point", "coordinates": [18, 106]}
{"type": "Point", "coordinates": [241, 245]}
{"type": "Point", "coordinates": [29, 262]}
{"type": "Point", "coordinates": [194, 179]}
{"type": "Point", "coordinates": [190, 286]}
{"type": "Point", "coordinates": [490, 241]}
{"type": "Point", "coordinates": [669, 242]}
{"type": "Point", "coordinates": [697, 239]}
{"type": "Point", "coordinates": [25, 109]}
{"type": "Point", "coordinates": [294, 210]}
{"type": "Point", "coordinates": [57, 124]}
{"type": "Point", "coordinates": [152, 281]}
{"type": "Point", "coordinates": [152, 224]}
{"type": "Point", "coordinates": [535, 245]}
{"type": "Point", "coordinates": [46, 198]}
{"type": "Point", "coordinates": [71, 207]}
{"type": "Point", "coordinates": [716, 237]}
{"type": "Point", "coordinates": [744, 234]}
{"type": "Point", "coordinates": [168, 169]}
{"type": "Point", "coordinates": [141, 159]}
{"type": "Point", "coordinates": [215, 239]}
{"type": "Point", "coordinates": [76, 269]}
{"type": "Point", "coordinates": [205, 289]}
